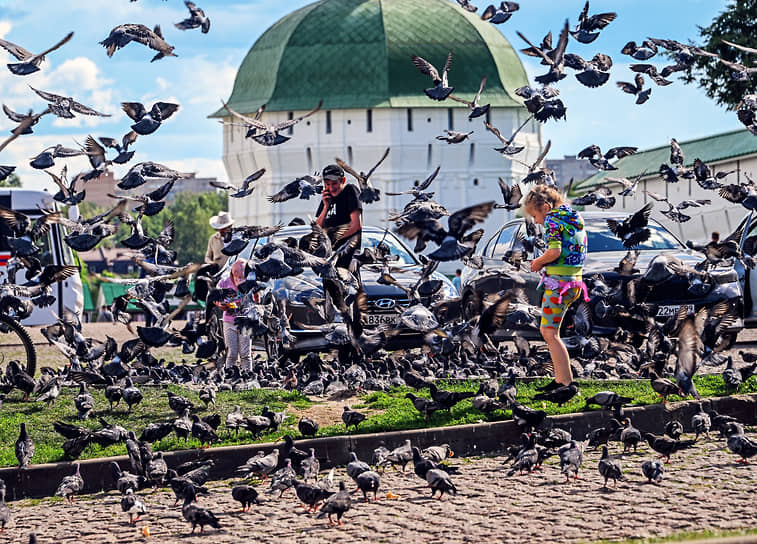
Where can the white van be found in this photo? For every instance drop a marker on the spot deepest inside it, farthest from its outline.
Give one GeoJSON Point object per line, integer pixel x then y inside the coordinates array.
{"type": "Point", "coordinates": [68, 292]}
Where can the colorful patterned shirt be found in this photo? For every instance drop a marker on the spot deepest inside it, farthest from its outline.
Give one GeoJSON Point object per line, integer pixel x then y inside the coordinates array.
{"type": "Point", "coordinates": [564, 230]}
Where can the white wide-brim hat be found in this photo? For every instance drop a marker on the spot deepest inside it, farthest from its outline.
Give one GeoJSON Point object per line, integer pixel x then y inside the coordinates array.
{"type": "Point", "coordinates": [221, 221]}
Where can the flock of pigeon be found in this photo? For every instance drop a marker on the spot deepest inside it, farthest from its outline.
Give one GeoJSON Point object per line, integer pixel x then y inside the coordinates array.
{"type": "Point", "coordinates": [288, 468]}
{"type": "Point", "coordinates": [455, 347]}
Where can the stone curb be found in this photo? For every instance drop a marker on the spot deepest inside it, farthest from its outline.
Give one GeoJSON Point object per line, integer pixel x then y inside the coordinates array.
{"type": "Point", "coordinates": [465, 440]}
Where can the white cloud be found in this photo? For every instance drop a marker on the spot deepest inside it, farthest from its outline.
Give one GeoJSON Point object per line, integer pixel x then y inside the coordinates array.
{"type": "Point", "coordinates": [5, 27]}
{"type": "Point", "coordinates": [79, 77]}
{"type": "Point", "coordinates": [21, 150]}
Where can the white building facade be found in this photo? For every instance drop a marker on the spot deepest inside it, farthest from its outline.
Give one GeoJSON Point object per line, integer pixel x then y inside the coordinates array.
{"type": "Point", "coordinates": [731, 151]}
{"type": "Point", "coordinates": [357, 127]}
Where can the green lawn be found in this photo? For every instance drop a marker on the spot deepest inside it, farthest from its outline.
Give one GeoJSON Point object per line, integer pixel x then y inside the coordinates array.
{"type": "Point", "coordinates": [686, 536]}
{"type": "Point", "coordinates": [391, 411]}
{"type": "Point", "coordinates": [399, 412]}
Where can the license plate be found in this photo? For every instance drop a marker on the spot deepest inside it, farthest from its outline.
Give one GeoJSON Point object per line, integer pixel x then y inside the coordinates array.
{"type": "Point", "coordinates": [670, 310]}
{"type": "Point", "coordinates": [380, 319]}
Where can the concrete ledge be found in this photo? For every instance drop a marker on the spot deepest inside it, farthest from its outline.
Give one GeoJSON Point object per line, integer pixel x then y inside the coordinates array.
{"type": "Point", "coordinates": [465, 440]}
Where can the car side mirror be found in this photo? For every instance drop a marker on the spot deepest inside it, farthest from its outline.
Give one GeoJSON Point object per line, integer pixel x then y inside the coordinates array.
{"type": "Point", "coordinates": [690, 244]}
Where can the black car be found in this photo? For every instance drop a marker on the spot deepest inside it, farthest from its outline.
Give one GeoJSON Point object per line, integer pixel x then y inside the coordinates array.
{"type": "Point", "coordinates": [668, 293]}
{"type": "Point", "coordinates": [385, 302]}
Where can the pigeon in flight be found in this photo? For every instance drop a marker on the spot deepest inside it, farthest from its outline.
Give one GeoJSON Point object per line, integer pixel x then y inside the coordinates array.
{"type": "Point", "coordinates": [600, 161]}
{"type": "Point", "coordinates": [467, 6]}
{"type": "Point", "coordinates": [29, 61]}
{"type": "Point", "coordinates": [65, 106]}
{"type": "Point", "coordinates": [645, 51]}
{"type": "Point", "coordinates": [592, 73]}
{"type": "Point", "coordinates": [263, 133]}
{"type": "Point", "coordinates": [442, 88]}
{"type": "Point", "coordinates": [499, 15]}
{"type": "Point", "coordinates": [122, 35]}
{"type": "Point", "coordinates": [636, 88]}
{"type": "Point", "coordinates": [30, 119]}
{"type": "Point", "coordinates": [303, 187]}
{"type": "Point", "coordinates": [146, 122]}
{"type": "Point", "coordinates": [541, 102]}
{"type": "Point", "coordinates": [507, 143]}
{"type": "Point", "coordinates": [124, 155]}
{"type": "Point", "coordinates": [633, 229]}
{"type": "Point", "coordinates": [476, 110]}
{"type": "Point", "coordinates": [196, 19]}
{"type": "Point", "coordinates": [685, 55]}
{"type": "Point", "coordinates": [245, 190]}
{"type": "Point", "coordinates": [67, 193]}
{"type": "Point", "coordinates": [511, 195]}
{"type": "Point", "coordinates": [651, 71]}
{"type": "Point", "coordinates": [555, 60]}
{"type": "Point", "coordinates": [588, 25]}
{"type": "Point", "coordinates": [45, 158]}
{"type": "Point", "coordinates": [418, 191]}
{"type": "Point", "coordinates": [454, 137]}
{"type": "Point", "coordinates": [368, 193]}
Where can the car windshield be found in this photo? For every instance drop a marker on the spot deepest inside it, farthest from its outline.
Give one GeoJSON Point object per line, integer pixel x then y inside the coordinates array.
{"type": "Point", "coordinates": [369, 239]}
{"type": "Point", "coordinates": [601, 239]}
{"type": "Point", "coordinates": [372, 239]}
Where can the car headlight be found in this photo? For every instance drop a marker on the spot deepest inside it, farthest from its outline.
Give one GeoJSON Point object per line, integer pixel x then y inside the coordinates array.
{"type": "Point", "coordinates": [449, 291]}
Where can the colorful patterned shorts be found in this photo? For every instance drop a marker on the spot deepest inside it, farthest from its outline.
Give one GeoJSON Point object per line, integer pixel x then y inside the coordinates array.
{"type": "Point", "coordinates": [552, 310]}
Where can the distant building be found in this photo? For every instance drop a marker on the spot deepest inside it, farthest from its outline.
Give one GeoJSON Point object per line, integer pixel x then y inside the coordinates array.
{"type": "Point", "coordinates": [570, 167]}
{"type": "Point", "coordinates": [735, 150]}
{"type": "Point", "coordinates": [377, 103]}
{"type": "Point", "coordinates": [108, 259]}
{"type": "Point", "coordinates": [98, 189]}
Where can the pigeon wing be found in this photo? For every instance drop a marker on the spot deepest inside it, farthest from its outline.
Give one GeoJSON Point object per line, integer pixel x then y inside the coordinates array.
{"type": "Point", "coordinates": [16, 50]}
{"type": "Point", "coordinates": [57, 45]}
{"type": "Point", "coordinates": [291, 122]}
{"type": "Point", "coordinates": [425, 67]}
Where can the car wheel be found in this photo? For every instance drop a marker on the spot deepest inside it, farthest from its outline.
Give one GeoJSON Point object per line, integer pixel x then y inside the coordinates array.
{"type": "Point", "coordinates": [470, 306]}
{"type": "Point", "coordinates": [215, 331]}
{"type": "Point", "coordinates": [725, 341]}
{"type": "Point", "coordinates": [276, 352]}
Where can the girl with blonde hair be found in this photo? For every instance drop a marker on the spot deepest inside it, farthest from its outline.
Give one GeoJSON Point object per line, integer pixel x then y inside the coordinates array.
{"type": "Point", "coordinates": [561, 266]}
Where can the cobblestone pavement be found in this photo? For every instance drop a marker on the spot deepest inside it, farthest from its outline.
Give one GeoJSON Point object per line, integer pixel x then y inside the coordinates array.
{"type": "Point", "coordinates": [703, 488]}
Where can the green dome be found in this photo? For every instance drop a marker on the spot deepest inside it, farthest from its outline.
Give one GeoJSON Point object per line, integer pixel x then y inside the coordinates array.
{"type": "Point", "coordinates": [356, 54]}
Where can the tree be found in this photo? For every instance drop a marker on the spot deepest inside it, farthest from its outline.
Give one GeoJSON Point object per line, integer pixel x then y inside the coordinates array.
{"type": "Point", "coordinates": [737, 24]}
{"type": "Point", "coordinates": [191, 213]}
{"type": "Point", "coordinates": [11, 181]}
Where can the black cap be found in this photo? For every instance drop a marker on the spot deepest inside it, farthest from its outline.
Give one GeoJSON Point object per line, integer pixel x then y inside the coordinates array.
{"type": "Point", "coordinates": [333, 172]}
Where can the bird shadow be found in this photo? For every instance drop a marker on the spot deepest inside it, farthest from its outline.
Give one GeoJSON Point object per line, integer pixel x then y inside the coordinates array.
{"type": "Point", "coordinates": [609, 489]}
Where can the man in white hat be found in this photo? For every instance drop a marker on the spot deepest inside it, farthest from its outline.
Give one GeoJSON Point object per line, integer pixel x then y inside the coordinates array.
{"type": "Point", "coordinates": [221, 222]}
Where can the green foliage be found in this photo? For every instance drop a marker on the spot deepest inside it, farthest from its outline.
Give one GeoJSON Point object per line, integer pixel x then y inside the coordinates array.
{"type": "Point", "coordinates": [11, 181]}
{"type": "Point", "coordinates": [737, 24]}
{"type": "Point", "coordinates": [48, 444]}
{"type": "Point", "coordinates": [191, 213]}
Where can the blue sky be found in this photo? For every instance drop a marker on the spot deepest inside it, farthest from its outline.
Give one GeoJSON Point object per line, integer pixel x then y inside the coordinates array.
{"type": "Point", "coordinates": [203, 74]}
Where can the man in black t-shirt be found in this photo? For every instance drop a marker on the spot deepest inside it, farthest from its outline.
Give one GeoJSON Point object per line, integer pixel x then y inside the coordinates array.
{"type": "Point", "coordinates": [340, 205]}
